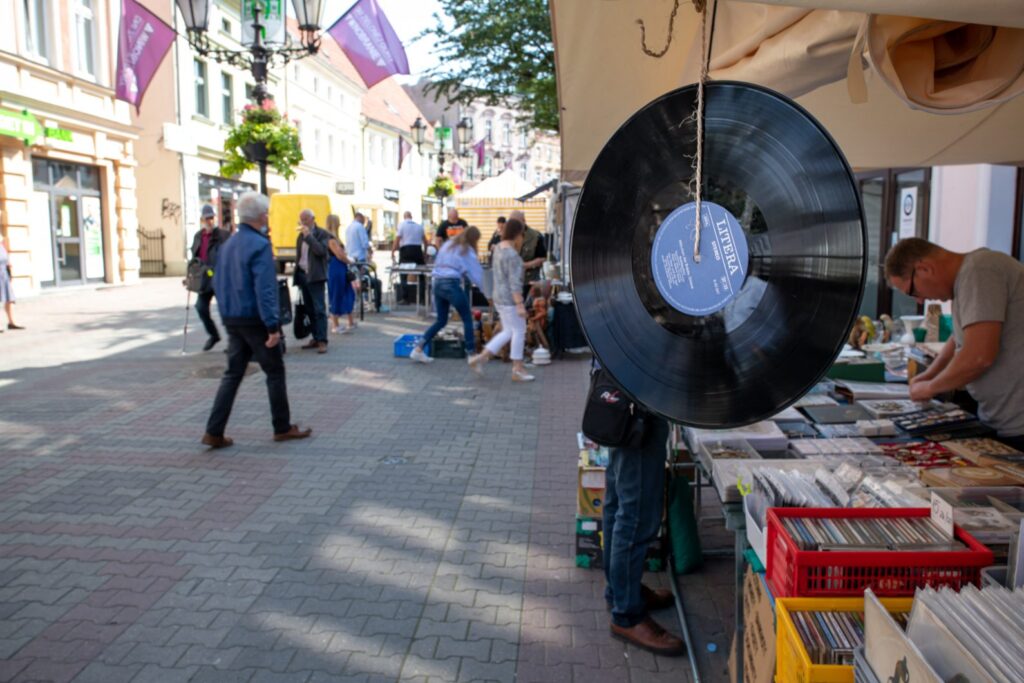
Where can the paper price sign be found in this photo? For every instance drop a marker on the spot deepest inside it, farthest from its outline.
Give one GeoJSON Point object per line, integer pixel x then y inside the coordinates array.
{"type": "Point", "coordinates": [942, 514]}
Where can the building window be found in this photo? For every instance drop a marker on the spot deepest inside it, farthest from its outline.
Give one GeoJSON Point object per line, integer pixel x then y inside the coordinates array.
{"type": "Point", "coordinates": [330, 148]}
{"type": "Point", "coordinates": [295, 74]}
{"type": "Point", "coordinates": [488, 129]}
{"type": "Point", "coordinates": [35, 27]}
{"type": "Point", "coordinates": [202, 101]}
{"type": "Point", "coordinates": [522, 138]}
{"type": "Point", "coordinates": [85, 38]}
{"type": "Point", "coordinates": [316, 85]}
{"type": "Point", "coordinates": [250, 92]}
{"type": "Point", "coordinates": [225, 25]}
{"type": "Point", "coordinates": [506, 134]}
{"type": "Point", "coordinates": [316, 143]}
{"type": "Point", "coordinates": [330, 93]}
{"type": "Point", "coordinates": [227, 98]}
{"type": "Point", "coordinates": [341, 100]}
{"type": "Point", "coordinates": [522, 171]}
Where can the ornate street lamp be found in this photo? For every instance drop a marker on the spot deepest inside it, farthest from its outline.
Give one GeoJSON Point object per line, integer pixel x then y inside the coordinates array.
{"type": "Point", "coordinates": [258, 57]}
{"type": "Point", "coordinates": [419, 133]}
{"type": "Point", "coordinates": [465, 133]}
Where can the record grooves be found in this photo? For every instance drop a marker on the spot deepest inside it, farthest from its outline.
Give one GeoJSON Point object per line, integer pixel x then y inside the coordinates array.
{"type": "Point", "coordinates": [750, 328]}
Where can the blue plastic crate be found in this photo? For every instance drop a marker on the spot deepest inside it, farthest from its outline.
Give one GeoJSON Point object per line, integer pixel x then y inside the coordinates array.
{"type": "Point", "coordinates": [404, 345]}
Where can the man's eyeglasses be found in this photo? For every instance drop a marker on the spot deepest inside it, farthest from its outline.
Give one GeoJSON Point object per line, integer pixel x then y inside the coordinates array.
{"type": "Point", "coordinates": [910, 292]}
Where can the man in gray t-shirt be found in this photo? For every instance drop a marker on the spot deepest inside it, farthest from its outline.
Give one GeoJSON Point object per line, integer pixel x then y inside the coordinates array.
{"type": "Point", "coordinates": [987, 293]}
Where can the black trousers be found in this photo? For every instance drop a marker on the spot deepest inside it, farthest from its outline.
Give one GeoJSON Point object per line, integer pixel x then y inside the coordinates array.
{"type": "Point", "coordinates": [314, 294]}
{"type": "Point", "coordinates": [411, 253]}
{"type": "Point", "coordinates": [246, 343]}
{"type": "Point", "coordinates": [203, 300]}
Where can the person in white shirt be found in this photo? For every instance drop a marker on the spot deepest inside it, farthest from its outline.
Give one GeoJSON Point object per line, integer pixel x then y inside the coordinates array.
{"type": "Point", "coordinates": [357, 243]}
{"type": "Point", "coordinates": [410, 242]}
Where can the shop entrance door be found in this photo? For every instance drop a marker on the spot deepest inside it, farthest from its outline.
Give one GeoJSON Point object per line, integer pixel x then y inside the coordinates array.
{"type": "Point", "coordinates": [67, 236]}
{"type": "Point", "coordinates": [68, 223]}
{"type": "Point", "coordinates": [895, 206]}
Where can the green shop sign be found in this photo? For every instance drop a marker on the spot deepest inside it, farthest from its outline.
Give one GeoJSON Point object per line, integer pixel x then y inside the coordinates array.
{"type": "Point", "coordinates": [26, 127]}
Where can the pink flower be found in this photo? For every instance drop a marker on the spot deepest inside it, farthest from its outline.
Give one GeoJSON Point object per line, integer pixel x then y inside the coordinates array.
{"type": "Point", "coordinates": [268, 105]}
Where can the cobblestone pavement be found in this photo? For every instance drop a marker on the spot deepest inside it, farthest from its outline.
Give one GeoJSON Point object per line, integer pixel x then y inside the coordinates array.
{"type": "Point", "coordinates": [424, 532]}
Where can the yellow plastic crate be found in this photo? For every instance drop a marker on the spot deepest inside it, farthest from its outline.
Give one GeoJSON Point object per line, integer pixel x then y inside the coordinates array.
{"type": "Point", "coordinates": [792, 664]}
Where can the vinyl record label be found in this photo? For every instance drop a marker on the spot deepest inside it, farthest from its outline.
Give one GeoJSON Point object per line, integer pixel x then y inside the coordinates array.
{"type": "Point", "coordinates": [699, 288]}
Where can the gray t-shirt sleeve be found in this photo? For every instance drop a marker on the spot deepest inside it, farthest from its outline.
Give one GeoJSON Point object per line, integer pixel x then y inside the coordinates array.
{"type": "Point", "coordinates": [983, 295]}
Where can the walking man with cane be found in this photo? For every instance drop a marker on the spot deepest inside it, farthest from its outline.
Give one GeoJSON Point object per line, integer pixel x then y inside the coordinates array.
{"type": "Point", "coordinates": [246, 286]}
{"type": "Point", "coordinates": [204, 256]}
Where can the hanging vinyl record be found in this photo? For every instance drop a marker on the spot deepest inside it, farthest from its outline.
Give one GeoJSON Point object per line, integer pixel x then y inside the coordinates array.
{"type": "Point", "coordinates": [751, 326]}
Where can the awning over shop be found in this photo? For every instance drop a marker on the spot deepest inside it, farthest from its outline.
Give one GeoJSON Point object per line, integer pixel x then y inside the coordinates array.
{"type": "Point", "coordinates": [875, 80]}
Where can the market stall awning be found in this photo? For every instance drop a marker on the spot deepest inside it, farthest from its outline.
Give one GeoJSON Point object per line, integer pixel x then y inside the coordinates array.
{"type": "Point", "coordinates": [900, 70]}
{"type": "Point", "coordinates": [549, 185]}
{"type": "Point", "coordinates": [505, 184]}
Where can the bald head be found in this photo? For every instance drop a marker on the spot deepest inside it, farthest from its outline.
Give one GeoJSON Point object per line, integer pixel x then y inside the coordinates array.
{"type": "Point", "coordinates": [518, 215]}
{"type": "Point", "coordinates": [307, 218]}
{"type": "Point", "coordinates": [453, 215]}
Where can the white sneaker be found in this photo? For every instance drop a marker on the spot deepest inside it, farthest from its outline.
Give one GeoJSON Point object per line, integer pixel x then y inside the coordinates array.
{"type": "Point", "coordinates": [346, 330]}
{"type": "Point", "coordinates": [420, 357]}
{"type": "Point", "coordinates": [335, 330]}
{"type": "Point", "coordinates": [521, 377]}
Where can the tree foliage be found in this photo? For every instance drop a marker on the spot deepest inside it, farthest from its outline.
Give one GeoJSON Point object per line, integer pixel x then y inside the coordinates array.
{"type": "Point", "coordinates": [498, 51]}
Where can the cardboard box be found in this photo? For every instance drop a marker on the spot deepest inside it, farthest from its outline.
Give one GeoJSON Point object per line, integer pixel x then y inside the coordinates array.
{"type": "Point", "coordinates": [758, 633]}
{"type": "Point", "coordinates": [590, 488]}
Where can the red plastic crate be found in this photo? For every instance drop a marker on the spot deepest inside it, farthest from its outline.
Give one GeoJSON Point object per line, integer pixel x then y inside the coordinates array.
{"type": "Point", "coordinates": [816, 573]}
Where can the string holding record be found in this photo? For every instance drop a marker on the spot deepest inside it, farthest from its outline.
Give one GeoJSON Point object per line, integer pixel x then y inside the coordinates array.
{"type": "Point", "coordinates": [745, 331]}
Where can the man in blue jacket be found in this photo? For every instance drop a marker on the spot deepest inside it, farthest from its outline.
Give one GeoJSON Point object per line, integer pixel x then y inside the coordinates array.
{"type": "Point", "coordinates": [246, 286]}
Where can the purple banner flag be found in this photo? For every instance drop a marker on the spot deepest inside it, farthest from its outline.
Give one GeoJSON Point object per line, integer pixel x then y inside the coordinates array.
{"type": "Point", "coordinates": [456, 174]}
{"type": "Point", "coordinates": [404, 147]}
{"type": "Point", "coordinates": [481, 149]}
{"type": "Point", "coordinates": [142, 43]}
{"type": "Point", "coordinates": [370, 43]}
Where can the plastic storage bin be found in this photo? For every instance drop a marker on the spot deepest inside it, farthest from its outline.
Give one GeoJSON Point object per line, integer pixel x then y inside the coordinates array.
{"type": "Point", "coordinates": [792, 663]}
{"type": "Point", "coordinates": [405, 343]}
{"type": "Point", "coordinates": [815, 573]}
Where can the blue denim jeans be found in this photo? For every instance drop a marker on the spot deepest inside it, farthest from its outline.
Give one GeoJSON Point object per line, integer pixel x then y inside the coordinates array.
{"type": "Point", "coordinates": [448, 292]}
{"type": "Point", "coordinates": [633, 500]}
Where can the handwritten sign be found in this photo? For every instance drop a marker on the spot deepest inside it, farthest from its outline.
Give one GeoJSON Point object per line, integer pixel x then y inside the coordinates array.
{"type": "Point", "coordinates": [942, 515]}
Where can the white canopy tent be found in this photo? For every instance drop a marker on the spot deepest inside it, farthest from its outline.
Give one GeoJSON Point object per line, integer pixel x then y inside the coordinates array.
{"type": "Point", "coordinates": [505, 184]}
{"type": "Point", "coordinates": [871, 75]}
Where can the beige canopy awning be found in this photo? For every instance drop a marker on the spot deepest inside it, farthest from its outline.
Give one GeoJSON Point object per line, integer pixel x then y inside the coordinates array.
{"type": "Point", "coordinates": [892, 90]}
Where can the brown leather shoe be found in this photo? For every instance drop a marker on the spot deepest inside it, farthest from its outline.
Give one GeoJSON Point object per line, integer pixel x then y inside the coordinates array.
{"type": "Point", "coordinates": [311, 344]}
{"type": "Point", "coordinates": [321, 347]}
{"type": "Point", "coordinates": [217, 441]}
{"type": "Point", "coordinates": [649, 635]}
{"type": "Point", "coordinates": [656, 599]}
{"type": "Point", "coordinates": [293, 433]}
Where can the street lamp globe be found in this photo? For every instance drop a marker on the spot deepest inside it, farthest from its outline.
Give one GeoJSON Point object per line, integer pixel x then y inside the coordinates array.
{"type": "Point", "coordinates": [465, 132]}
{"type": "Point", "coordinates": [196, 14]}
{"type": "Point", "coordinates": [419, 133]}
{"type": "Point", "coordinates": [307, 13]}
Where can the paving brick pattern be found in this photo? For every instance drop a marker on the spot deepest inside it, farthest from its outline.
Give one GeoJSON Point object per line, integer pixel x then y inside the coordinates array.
{"type": "Point", "coordinates": [424, 533]}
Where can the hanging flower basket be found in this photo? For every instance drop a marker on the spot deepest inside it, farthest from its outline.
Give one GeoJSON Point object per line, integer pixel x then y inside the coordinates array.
{"type": "Point", "coordinates": [264, 134]}
{"type": "Point", "coordinates": [442, 187]}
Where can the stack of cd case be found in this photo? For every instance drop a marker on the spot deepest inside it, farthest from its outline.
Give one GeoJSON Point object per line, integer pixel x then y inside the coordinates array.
{"type": "Point", "coordinates": [849, 534]}
{"type": "Point", "coordinates": [831, 637]}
